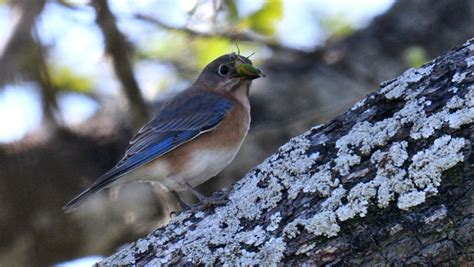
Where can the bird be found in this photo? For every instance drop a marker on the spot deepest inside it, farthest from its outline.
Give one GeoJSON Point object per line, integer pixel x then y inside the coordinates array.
{"type": "Point", "coordinates": [193, 135]}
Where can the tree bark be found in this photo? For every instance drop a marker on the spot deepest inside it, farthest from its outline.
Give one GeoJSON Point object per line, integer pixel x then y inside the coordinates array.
{"type": "Point", "coordinates": [388, 182]}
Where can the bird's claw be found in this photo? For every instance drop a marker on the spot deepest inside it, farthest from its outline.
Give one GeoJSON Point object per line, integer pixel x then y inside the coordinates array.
{"type": "Point", "coordinates": [204, 202]}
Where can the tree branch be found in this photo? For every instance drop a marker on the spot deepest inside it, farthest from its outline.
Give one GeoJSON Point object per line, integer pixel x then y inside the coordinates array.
{"type": "Point", "coordinates": [24, 57]}
{"type": "Point", "coordinates": [117, 46]}
{"type": "Point", "coordinates": [386, 182]}
{"type": "Point", "coordinates": [231, 35]}
{"type": "Point", "coordinates": [20, 49]}
{"type": "Point", "coordinates": [48, 92]}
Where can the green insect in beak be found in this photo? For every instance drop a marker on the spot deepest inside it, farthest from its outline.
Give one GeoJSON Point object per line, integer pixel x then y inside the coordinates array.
{"type": "Point", "coordinates": [247, 70]}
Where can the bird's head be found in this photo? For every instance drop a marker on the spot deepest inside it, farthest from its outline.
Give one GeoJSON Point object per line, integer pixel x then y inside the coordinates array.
{"type": "Point", "coordinates": [229, 72]}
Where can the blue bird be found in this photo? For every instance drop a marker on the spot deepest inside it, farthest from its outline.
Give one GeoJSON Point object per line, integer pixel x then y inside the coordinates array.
{"type": "Point", "coordinates": [193, 136]}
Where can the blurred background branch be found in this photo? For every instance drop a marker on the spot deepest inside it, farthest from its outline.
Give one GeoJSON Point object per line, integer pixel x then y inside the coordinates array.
{"type": "Point", "coordinates": [117, 46]}
{"type": "Point", "coordinates": [234, 36]}
{"type": "Point", "coordinates": [20, 48]}
{"type": "Point", "coordinates": [48, 92]}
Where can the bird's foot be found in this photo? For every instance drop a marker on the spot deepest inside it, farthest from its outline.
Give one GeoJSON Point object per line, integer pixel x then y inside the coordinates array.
{"type": "Point", "coordinates": [181, 202]}
{"type": "Point", "coordinates": [192, 208]}
{"type": "Point", "coordinates": [218, 199]}
{"type": "Point", "coordinates": [184, 206]}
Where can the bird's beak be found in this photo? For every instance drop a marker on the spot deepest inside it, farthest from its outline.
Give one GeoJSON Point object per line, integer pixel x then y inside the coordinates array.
{"type": "Point", "coordinates": [248, 71]}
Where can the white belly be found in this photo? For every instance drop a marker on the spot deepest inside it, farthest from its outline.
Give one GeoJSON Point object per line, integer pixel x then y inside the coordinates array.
{"type": "Point", "coordinates": [155, 171]}
{"type": "Point", "coordinates": [202, 166]}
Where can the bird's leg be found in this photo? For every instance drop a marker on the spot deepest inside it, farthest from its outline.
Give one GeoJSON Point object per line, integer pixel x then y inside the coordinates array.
{"type": "Point", "coordinates": [201, 197]}
{"type": "Point", "coordinates": [181, 202]}
{"type": "Point", "coordinates": [207, 201]}
{"type": "Point", "coordinates": [226, 192]}
{"type": "Point", "coordinates": [203, 200]}
{"type": "Point", "coordinates": [185, 206]}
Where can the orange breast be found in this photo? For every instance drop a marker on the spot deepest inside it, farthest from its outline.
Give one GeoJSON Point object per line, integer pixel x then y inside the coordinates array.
{"type": "Point", "coordinates": [228, 135]}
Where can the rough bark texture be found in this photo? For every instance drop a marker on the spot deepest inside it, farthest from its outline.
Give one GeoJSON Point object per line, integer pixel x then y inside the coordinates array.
{"type": "Point", "coordinates": [305, 89]}
{"type": "Point", "coordinates": [389, 181]}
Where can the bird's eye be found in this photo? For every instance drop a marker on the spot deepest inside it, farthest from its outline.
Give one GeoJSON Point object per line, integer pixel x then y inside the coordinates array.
{"type": "Point", "coordinates": [223, 70]}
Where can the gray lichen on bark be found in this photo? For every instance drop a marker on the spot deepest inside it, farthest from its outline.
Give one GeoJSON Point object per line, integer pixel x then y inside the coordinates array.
{"type": "Point", "coordinates": [388, 181]}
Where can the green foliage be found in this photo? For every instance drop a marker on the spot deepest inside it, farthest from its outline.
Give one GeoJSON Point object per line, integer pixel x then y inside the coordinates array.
{"type": "Point", "coordinates": [190, 52]}
{"type": "Point", "coordinates": [415, 56]}
{"type": "Point", "coordinates": [263, 21]}
{"type": "Point", "coordinates": [210, 48]}
{"type": "Point", "coordinates": [65, 79]}
{"type": "Point", "coordinates": [337, 26]}
{"type": "Point", "coordinates": [169, 46]}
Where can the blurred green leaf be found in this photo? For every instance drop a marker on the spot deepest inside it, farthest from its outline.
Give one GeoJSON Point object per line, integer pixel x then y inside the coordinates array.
{"type": "Point", "coordinates": [337, 26]}
{"type": "Point", "coordinates": [415, 56]}
{"type": "Point", "coordinates": [65, 79]}
{"type": "Point", "coordinates": [169, 46]}
{"type": "Point", "coordinates": [263, 21]}
{"type": "Point", "coordinates": [209, 49]}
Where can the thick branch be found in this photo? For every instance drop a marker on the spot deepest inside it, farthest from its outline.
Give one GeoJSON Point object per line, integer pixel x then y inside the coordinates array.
{"type": "Point", "coordinates": [117, 46]}
{"type": "Point", "coordinates": [386, 182]}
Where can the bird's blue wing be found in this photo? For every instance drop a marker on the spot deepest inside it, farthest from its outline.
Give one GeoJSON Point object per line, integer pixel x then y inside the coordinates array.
{"type": "Point", "coordinates": [179, 121]}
